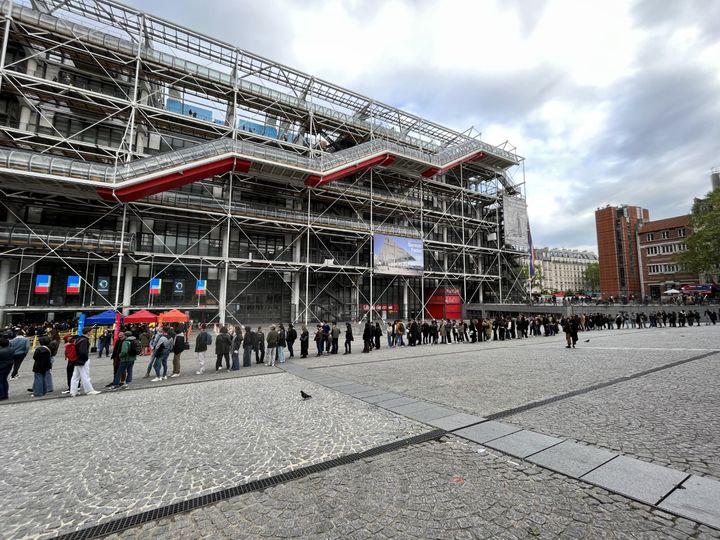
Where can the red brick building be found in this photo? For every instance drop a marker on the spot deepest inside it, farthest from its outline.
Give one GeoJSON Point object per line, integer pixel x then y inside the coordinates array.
{"type": "Point", "coordinates": [617, 228]}
{"type": "Point", "coordinates": [660, 242]}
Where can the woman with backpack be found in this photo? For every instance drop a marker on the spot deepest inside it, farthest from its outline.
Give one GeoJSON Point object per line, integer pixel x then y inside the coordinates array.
{"type": "Point", "coordinates": [130, 348]}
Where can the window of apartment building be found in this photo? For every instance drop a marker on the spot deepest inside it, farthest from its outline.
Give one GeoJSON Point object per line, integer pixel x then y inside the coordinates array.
{"type": "Point", "coordinates": [665, 235]}
{"type": "Point", "coordinates": [682, 232]}
{"type": "Point", "coordinates": [654, 268]}
{"type": "Point", "coordinates": [649, 237]}
{"type": "Point", "coordinates": [652, 250]}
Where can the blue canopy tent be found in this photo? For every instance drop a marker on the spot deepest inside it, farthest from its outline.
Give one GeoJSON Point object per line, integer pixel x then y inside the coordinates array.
{"type": "Point", "coordinates": [104, 318]}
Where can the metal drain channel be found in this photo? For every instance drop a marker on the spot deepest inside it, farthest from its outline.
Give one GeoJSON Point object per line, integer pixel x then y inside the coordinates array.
{"type": "Point", "coordinates": [121, 524]}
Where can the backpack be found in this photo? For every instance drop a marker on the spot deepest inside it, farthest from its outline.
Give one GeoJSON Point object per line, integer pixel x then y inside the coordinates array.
{"type": "Point", "coordinates": [135, 347]}
{"type": "Point", "coordinates": [70, 351]}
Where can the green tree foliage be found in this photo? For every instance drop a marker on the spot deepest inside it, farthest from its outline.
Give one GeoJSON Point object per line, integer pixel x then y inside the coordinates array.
{"type": "Point", "coordinates": [592, 277]}
{"type": "Point", "coordinates": [703, 242]}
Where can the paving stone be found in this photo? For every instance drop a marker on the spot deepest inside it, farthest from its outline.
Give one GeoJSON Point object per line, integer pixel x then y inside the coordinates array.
{"type": "Point", "coordinates": [572, 458]}
{"type": "Point", "coordinates": [412, 407]}
{"type": "Point", "coordinates": [369, 393]}
{"type": "Point", "coordinates": [397, 402]}
{"type": "Point", "coordinates": [699, 499]}
{"type": "Point", "coordinates": [351, 388]}
{"type": "Point", "coordinates": [381, 397]}
{"type": "Point", "coordinates": [433, 413]}
{"type": "Point", "coordinates": [487, 431]}
{"type": "Point", "coordinates": [523, 443]}
{"type": "Point", "coordinates": [455, 421]}
{"type": "Point", "coordinates": [637, 479]}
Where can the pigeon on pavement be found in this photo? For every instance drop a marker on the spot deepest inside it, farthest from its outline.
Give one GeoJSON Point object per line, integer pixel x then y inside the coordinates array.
{"type": "Point", "coordinates": [587, 341]}
{"type": "Point", "coordinates": [304, 395]}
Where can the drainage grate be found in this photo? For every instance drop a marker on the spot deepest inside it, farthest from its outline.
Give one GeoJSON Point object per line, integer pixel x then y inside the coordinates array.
{"type": "Point", "coordinates": [121, 524]}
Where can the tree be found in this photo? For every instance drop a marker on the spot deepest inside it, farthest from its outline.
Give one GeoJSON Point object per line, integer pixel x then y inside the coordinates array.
{"type": "Point", "coordinates": [703, 243]}
{"type": "Point", "coordinates": [592, 277]}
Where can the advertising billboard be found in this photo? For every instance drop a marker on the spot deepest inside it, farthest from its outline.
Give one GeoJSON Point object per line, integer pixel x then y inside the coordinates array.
{"type": "Point", "coordinates": [398, 255]}
{"type": "Point", "coordinates": [516, 222]}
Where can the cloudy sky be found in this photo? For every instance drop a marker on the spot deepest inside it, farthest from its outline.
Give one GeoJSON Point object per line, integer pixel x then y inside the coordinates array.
{"type": "Point", "coordinates": [610, 102]}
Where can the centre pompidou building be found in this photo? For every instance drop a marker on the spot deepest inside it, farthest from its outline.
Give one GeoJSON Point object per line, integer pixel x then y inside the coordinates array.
{"type": "Point", "coordinates": [143, 164]}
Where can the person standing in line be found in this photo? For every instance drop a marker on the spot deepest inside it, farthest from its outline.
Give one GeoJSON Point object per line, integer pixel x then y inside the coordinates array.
{"type": "Point", "coordinates": [20, 346]}
{"type": "Point", "coordinates": [178, 348]}
{"type": "Point", "coordinates": [236, 346]}
{"type": "Point", "coordinates": [163, 345]}
{"type": "Point", "coordinates": [6, 365]}
{"type": "Point", "coordinates": [41, 367]}
{"type": "Point", "coordinates": [282, 341]}
{"type": "Point", "coordinates": [153, 344]}
{"type": "Point", "coordinates": [335, 336]}
{"type": "Point", "coordinates": [145, 342]}
{"type": "Point", "coordinates": [223, 343]}
{"type": "Point", "coordinates": [319, 340]}
{"type": "Point", "coordinates": [81, 371]}
{"type": "Point", "coordinates": [202, 341]}
{"type": "Point", "coordinates": [104, 343]}
{"type": "Point", "coordinates": [304, 341]}
{"type": "Point", "coordinates": [259, 346]}
{"type": "Point", "coordinates": [291, 337]}
{"type": "Point", "coordinates": [272, 343]}
{"type": "Point", "coordinates": [129, 348]}
{"type": "Point", "coordinates": [367, 337]}
{"type": "Point", "coordinates": [54, 345]}
{"type": "Point", "coordinates": [348, 338]}
{"type": "Point", "coordinates": [377, 334]}
{"type": "Point", "coordinates": [390, 330]}
{"type": "Point", "coordinates": [326, 336]}
{"type": "Point", "coordinates": [249, 344]}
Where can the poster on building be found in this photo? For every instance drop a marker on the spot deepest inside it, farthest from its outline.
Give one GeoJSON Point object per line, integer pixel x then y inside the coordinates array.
{"type": "Point", "coordinates": [73, 285]}
{"type": "Point", "coordinates": [516, 222]}
{"type": "Point", "coordinates": [103, 285]}
{"type": "Point", "coordinates": [42, 284]}
{"type": "Point", "coordinates": [155, 285]}
{"type": "Point", "coordinates": [398, 255]}
{"type": "Point", "coordinates": [200, 287]}
{"type": "Point", "coordinates": [179, 287]}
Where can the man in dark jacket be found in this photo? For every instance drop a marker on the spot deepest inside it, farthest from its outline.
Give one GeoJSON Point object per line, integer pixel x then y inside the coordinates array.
{"type": "Point", "coordinates": [127, 355]}
{"type": "Point", "coordinates": [249, 344]}
{"type": "Point", "coordinates": [81, 373]}
{"type": "Point", "coordinates": [42, 364]}
{"type": "Point", "coordinates": [259, 346]}
{"type": "Point", "coordinates": [201, 345]}
{"type": "Point", "coordinates": [223, 344]}
{"type": "Point", "coordinates": [291, 337]}
{"type": "Point", "coordinates": [6, 365]}
{"type": "Point", "coordinates": [178, 348]}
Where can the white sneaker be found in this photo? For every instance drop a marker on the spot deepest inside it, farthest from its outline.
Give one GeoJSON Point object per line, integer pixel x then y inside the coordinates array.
{"type": "Point", "coordinates": [65, 392]}
{"type": "Point", "coordinates": [92, 393]}
{"type": "Point", "coordinates": [220, 368]}
{"type": "Point", "coordinates": [199, 372]}
{"type": "Point", "coordinates": [164, 377]}
{"type": "Point", "coordinates": [174, 375]}
{"type": "Point", "coordinates": [156, 379]}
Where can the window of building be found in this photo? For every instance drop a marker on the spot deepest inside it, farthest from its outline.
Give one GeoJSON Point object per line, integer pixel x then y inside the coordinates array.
{"type": "Point", "coordinates": [650, 237]}
{"type": "Point", "coordinates": [665, 235]}
{"type": "Point", "coordinates": [682, 232]}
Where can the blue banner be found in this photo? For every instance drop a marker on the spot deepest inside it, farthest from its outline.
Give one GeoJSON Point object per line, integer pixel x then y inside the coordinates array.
{"type": "Point", "coordinates": [81, 324]}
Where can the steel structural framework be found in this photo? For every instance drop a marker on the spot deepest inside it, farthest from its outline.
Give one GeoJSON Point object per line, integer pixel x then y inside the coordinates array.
{"type": "Point", "coordinates": [132, 148]}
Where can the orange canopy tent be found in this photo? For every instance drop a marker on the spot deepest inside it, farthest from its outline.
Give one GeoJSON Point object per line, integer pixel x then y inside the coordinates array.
{"type": "Point", "coordinates": [172, 316]}
{"type": "Point", "coordinates": [142, 316]}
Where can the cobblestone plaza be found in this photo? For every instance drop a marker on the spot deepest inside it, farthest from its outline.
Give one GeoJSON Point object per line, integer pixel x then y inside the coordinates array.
{"type": "Point", "coordinates": [618, 438]}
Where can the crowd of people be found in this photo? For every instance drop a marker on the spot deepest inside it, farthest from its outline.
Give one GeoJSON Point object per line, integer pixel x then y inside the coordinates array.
{"type": "Point", "coordinates": [235, 347]}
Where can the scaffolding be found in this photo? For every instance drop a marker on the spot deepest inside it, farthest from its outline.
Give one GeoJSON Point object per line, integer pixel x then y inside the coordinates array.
{"type": "Point", "coordinates": [132, 148]}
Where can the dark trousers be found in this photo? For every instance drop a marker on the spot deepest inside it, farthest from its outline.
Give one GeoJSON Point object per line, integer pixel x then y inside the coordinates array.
{"type": "Point", "coordinates": [348, 347]}
{"type": "Point", "coordinates": [220, 356]}
{"type": "Point", "coordinates": [260, 356]}
{"type": "Point", "coordinates": [103, 347]}
{"type": "Point", "coordinates": [4, 387]}
{"type": "Point", "coordinates": [69, 372]}
{"type": "Point", "coordinates": [303, 348]}
{"type": "Point", "coordinates": [17, 361]}
{"type": "Point", "coordinates": [247, 356]}
{"type": "Point", "coordinates": [334, 349]}
{"type": "Point", "coordinates": [290, 346]}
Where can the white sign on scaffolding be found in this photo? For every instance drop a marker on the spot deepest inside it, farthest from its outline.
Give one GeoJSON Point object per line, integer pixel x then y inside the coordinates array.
{"type": "Point", "coordinates": [516, 222]}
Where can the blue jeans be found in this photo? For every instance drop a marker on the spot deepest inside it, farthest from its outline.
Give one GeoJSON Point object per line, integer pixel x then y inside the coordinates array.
{"type": "Point", "coordinates": [124, 367]}
{"type": "Point", "coordinates": [281, 354]}
{"type": "Point", "coordinates": [39, 387]}
{"type": "Point", "coordinates": [235, 360]}
{"type": "Point", "coordinates": [161, 360]}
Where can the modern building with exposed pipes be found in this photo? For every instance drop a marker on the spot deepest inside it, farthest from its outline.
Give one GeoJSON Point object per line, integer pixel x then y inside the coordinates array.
{"type": "Point", "coordinates": [143, 164]}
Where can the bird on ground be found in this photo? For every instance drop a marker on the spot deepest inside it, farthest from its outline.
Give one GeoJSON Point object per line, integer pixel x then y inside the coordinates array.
{"type": "Point", "coordinates": [304, 395]}
{"type": "Point", "coordinates": [587, 341]}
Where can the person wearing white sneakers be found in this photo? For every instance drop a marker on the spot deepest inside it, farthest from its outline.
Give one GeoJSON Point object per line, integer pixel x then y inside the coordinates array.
{"type": "Point", "coordinates": [161, 353]}
{"type": "Point", "coordinates": [81, 372]}
{"type": "Point", "coordinates": [201, 346]}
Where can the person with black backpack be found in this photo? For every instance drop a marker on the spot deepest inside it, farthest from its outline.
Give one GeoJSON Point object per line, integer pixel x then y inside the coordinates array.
{"type": "Point", "coordinates": [201, 346]}
{"type": "Point", "coordinates": [178, 348]}
{"type": "Point", "coordinates": [41, 366]}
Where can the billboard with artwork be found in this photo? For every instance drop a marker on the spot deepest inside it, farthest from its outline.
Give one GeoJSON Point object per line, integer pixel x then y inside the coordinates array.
{"type": "Point", "coordinates": [516, 222]}
{"type": "Point", "coordinates": [398, 255]}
